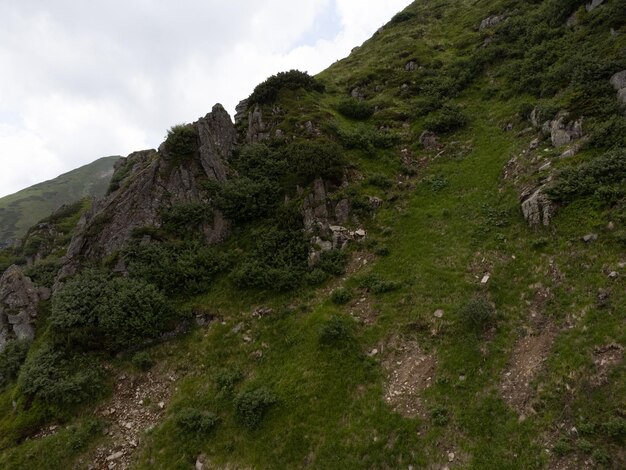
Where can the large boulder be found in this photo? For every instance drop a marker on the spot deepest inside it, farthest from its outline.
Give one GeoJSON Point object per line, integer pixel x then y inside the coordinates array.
{"type": "Point", "coordinates": [537, 208]}
{"type": "Point", "coordinates": [563, 130]}
{"type": "Point", "coordinates": [18, 306]}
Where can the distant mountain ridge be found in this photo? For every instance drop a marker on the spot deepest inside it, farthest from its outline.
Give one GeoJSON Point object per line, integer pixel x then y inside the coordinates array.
{"type": "Point", "coordinates": [19, 211]}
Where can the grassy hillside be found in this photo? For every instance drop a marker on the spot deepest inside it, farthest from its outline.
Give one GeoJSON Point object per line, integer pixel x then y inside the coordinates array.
{"type": "Point", "coordinates": [454, 335]}
{"type": "Point", "coordinates": [20, 211]}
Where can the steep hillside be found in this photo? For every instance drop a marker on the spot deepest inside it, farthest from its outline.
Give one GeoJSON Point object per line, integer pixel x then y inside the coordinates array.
{"type": "Point", "coordinates": [413, 260]}
{"type": "Point", "coordinates": [19, 211]}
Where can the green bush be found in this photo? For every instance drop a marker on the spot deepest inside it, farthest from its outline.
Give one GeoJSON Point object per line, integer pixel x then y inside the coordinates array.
{"type": "Point", "coordinates": [257, 161]}
{"type": "Point", "coordinates": [226, 379]}
{"type": "Point", "coordinates": [313, 159]}
{"type": "Point", "coordinates": [341, 296]}
{"type": "Point", "coordinates": [81, 435]}
{"type": "Point", "coordinates": [252, 405]}
{"type": "Point", "coordinates": [11, 359]}
{"type": "Point", "coordinates": [439, 415]}
{"type": "Point", "coordinates": [316, 277]}
{"type": "Point", "coordinates": [478, 315]}
{"type": "Point", "coordinates": [376, 285]}
{"type": "Point", "coordinates": [43, 273]}
{"type": "Point", "coordinates": [60, 379]}
{"type": "Point", "coordinates": [185, 220]}
{"type": "Point", "coordinates": [355, 109]}
{"type": "Point", "coordinates": [336, 332]}
{"type": "Point", "coordinates": [267, 92]}
{"type": "Point", "coordinates": [402, 17]}
{"type": "Point", "coordinates": [597, 177]}
{"type": "Point", "coordinates": [198, 423]}
{"type": "Point", "coordinates": [380, 181]}
{"type": "Point", "coordinates": [94, 311]}
{"type": "Point", "coordinates": [177, 269]}
{"type": "Point", "coordinates": [448, 119]}
{"type": "Point", "coordinates": [142, 361]}
{"type": "Point", "coordinates": [181, 141]}
{"type": "Point", "coordinates": [278, 261]}
{"type": "Point", "coordinates": [245, 199]}
{"type": "Point", "coordinates": [333, 262]}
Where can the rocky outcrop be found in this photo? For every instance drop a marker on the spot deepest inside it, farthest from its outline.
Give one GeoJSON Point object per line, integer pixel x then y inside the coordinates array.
{"type": "Point", "coordinates": [154, 182]}
{"type": "Point", "coordinates": [593, 4]}
{"type": "Point", "coordinates": [257, 130]}
{"type": "Point", "coordinates": [241, 111]}
{"type": "Point", "coordinates": [619, 83]}
{"type": "Point", "coordinates": [563, 131]}
{"type": "Point", "coordinates": [536, 207]}
{"type": "Point", "coordinates": [491, 21]}
{"type": "Point", "coordinates": [18, 306]}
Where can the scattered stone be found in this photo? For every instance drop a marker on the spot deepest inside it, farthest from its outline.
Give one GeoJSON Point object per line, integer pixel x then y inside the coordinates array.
{"type": "Point", "coordinates": [115, 456]}
{"type": "Point", "coordinates": [536, 207]}
{"type": "Point", "coordinates": [613, 275]}
{"type": "Point", "coordinates": [200, 461]}
{"type": "Point", "coordinates": [360, 233]}
{"type": "Point", "coordinates": [562, 131]}
{"type": "Point", "coordinates": [375, 202]}
{"type": "Point", "coordinates": [610, 226]}
{"type": "Point", "coordinates": [593, 5]}
{"type": "Point", "coordinates": [262, 312]}
{"type": "Point", "coordinates": [485, 279]}
{"type": "Point", "coordinates": [161, 404]}
{"type": "Point", "coordinates": [373, 352]}
{"type": "Point", "coordinates": [237, 328]}
{"type": "Point", "coordinates": [411, 66]}
{"type": "Point", "coordinates": [604, 297]}
{"type": "Point", "coordinates": [545, 166]}
{"type": "Point", "coordinates": [534, 144]}
{"type": "Point", "coordinates": [592, 237]}
{"type": "Point", "coordinates": [429, 140]}
{"type": "Point", "coordinates": [451, 456]}
{"type": "Point", "coordinates": [439, 313]}
{"type": "Point", "coordinates": [491, 21]}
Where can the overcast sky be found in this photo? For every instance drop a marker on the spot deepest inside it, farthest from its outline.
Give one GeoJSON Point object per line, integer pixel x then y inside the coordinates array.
{"type": "Point", "coordinates": [81, 79]}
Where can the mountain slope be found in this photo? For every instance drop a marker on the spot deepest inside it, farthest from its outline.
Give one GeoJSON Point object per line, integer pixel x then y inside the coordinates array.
{"type": "Point", "coordinates": [19, 211]}
{"type": "Point", "coordinates": [424, 268]}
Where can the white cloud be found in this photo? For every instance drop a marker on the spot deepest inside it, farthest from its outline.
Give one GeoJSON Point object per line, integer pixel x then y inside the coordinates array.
{"type": "Point", "coordinates": [81, 80]}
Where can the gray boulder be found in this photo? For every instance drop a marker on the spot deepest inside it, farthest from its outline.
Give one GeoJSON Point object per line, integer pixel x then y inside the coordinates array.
{"type": "Point", "coordinates": [491, 21]}
{"type": "Point", "coordinates": [241, 110]}
{"type": "Point", "coordinates": [257, 130]}
{"type": "Point", "coordinates": [18, 306]}
{"type": "Point", "coordinates": [537, 208]}
{"type": "Point", "coordinates": [619, 80]}
{"type": "Point", "coordinates": [564, 131]}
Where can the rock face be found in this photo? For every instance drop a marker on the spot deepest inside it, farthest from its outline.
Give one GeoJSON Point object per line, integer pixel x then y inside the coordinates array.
{"type": "Point", "coordinates": [491, 21]}
{"type": "Point", "coordinates": [564, 131]}
{"type": "Point", "coordinates": [537, 208]}
{"type": "Point", "coordinates": [18, 306]}
{"type": "Point", "coordinates": [593, 4]}
{"type": "Point", "coordinates": [155, 181]}
{"type": "Point", "coordinates": [257, 130]}
{"type": "Point", "coordinates": [619, 83]}
{"type": "Point", "coordinates": [240, 111]}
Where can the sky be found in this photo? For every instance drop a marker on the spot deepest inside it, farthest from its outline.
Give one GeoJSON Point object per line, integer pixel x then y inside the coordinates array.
{"type": "Point", "coordinates": [80, 80]}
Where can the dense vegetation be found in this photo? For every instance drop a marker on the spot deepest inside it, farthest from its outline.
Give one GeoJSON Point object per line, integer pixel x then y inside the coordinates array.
{"type": "Point", "coordinates": [292, 363]}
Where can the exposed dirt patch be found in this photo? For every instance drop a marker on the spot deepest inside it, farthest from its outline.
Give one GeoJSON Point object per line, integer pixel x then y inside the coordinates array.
{"type": "Point", "coordinates": [409, 372]}
{"type": "Point", "coordinates": [362, 308]}
{"type": "Point", "coordinates": [526, 362]}
{"type": "Point", "coordinates": [605, 358]}
{"type": "Point", "coordinates": [138, 403]}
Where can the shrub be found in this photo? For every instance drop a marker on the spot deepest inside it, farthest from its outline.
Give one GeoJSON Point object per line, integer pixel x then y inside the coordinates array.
{"type": "Point", "coordinates": [313, 159]}
{"type": "Point", "coordinates": [439, 415]}
{"type": "Point", "coordinates": [335, 332]}
{"type": "Point", "coordinates": [244, 199]}
{"type": "Point", "coordinates": [436, 182]}
{"type": "Point", "coordinates": [341, 296]}
{"type": "Point", "coordinates": [355, 109]}
{"type": "Point", "coordinates": [93, 310]}
{"type": "Point", "coordinates": [376, 285]}
{"type": "Point", "coordinates": [142, 361]}
{"type": "Point", "coordinates": [562, 447]}
{"type": "Point", "coordinates": [80, 436]}
{"type": "Point", "coordinates": [448, 119]}
{"type": "Point", "coordinates": [11, 359]}
{"type": "Point", "coordinates": [261, 161]}
{"type": "Point", "coordinates": [177, 269]}
{"type": "Point", "coordinates": [333, 262]}
{"type": "Point", "coordinates": [477, 315]}
{"type": "Point", "coordinates": [380, 181]}
{"type": "Point", "coordinates": [252, 405]}
{"type": "Point", "coordinates": [196, 422]}
{"type": "Point", "coordinates": [316, 277]}
{"type": "Point", "coordinates": [183, 219]}
{"type": "Point", "coordinates": [226, 379]}
{"type": "Point", "coordinates": [589, 179]}
{"type": "Point", "coordinates": [402, 17]}
{"type": "Point", "coordinates": [181, 141]}
{"type": "Point", "coordinates": [43, 273]}
{"type": "Point", "coordinates": [60, 379]}
{"type": "Point", "coordinates": [267, 92]}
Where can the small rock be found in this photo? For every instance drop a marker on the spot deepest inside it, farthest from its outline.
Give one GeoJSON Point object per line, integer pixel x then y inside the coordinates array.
{"type": "Point", "coordinates": [534, 144]}
{"type": "Point", "coordinates": [200, 461]}
{"type": "Point", "coordinates": [360, 233]}
{"type": "Point", "coordinates": [162, 404]}
{"type": "Point", "coordinates": [592, 237]}
{"type": "Point", "coordinates": [115, 456]}
{"type": "Point", "coordinates": [247, 339]}
{"type": "Point", "coordinates": [613, 275]}
{"type": "Point", "coordinates": [373, 352]}
{"type": "Point", "coordinates": [610, 226]}
{"type": "Point", "coordinates": [439, 313]}
{"type": "Point", "coordinates": [485, 279]}
{"type": "Point", "coordinates": [237, 328]}
{"type": "Point", "coordinates": [451, 456]}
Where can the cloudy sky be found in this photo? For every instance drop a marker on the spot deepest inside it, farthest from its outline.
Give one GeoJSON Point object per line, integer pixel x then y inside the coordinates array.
{"type": "Point", "coordinates": [84, 79]}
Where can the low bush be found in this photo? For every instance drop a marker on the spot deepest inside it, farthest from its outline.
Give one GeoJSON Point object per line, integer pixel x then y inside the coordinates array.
{"type": "Point", "coordinates": [341, 296]}
{"type": "Point", "coordinates": [96, 311]}
{"type": "Point", "coordinates": [448, 119]}
{"type": "Point", "coordinates": [186, 220]}
{"type": "Point", "coordinates": [336, 332]}
{"type": "Point", "coordinates": [198, 423]}
{"type": "Point", "coordinates": [355, 109]}
{"type": "Point", "coordinates": [258, 161]}
{"type": "Point", "coordinates": [333, 262]}
{"type": "Point", "coordinates": [43, 273]}
{"type": "Point", "coordinates": [226, 379]}
{"type": "Point", "coordinates": [267, 92]}
{"type": "Point", "coordinates": [313, 159]}
{"type": "Point", "coordinates": [181, 141]}
{"type": "Point", "coordinates": [376, 285]}
{"type": "Point", "coordinates": [380, 181]}
{"type": "Point", "coordinates": [11, 359]}
{"type": "Point", "coordinates": [598, 177]}
{"type": "Point", "coordinates": [252, 405]}
{"type": "Point", "coordinates": [316, 277]}
{"type": "Point", "coordinates": [245, 199]}
{"type": "Point", "coordinates": [439, 415]}
{"type": "Point", "coordinates": [402, 17]}
{"type": "Point", "coordinates": [60, 379]}
{"type": "Point", "coordinates": [143, 361]}
{"type": "Point", "coordinates": [478, 315]}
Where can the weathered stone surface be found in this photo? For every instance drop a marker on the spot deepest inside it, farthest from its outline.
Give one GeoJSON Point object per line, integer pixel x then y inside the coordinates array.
{"type": "Point", "coordinates": [491, 21]}
{"type": "Point", "coordinates": [257, 130]}
{"type": "Point", "coordinates": [621, 95]}
{"type": "Point", "coordinates": [154, 183]}
{"type": "Point", "coordinates": [18, 306]}
{"type": "Point", "coordinates": [537, 208]}
{"type": "Point", "coordinates": [241, 111]}
{"type": "Point", "coordinates": [342, 211]}
{"type": "Point", "coordinates": [563, 131]}
{"type": "Point", "coordinates": [411, 66]}
{"type": "Point", "coordinates": [593, 4]}
{"type": "Point", "coordinates": [429, 140]}
{"type": "Point", "coordinates": [619, 80]}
